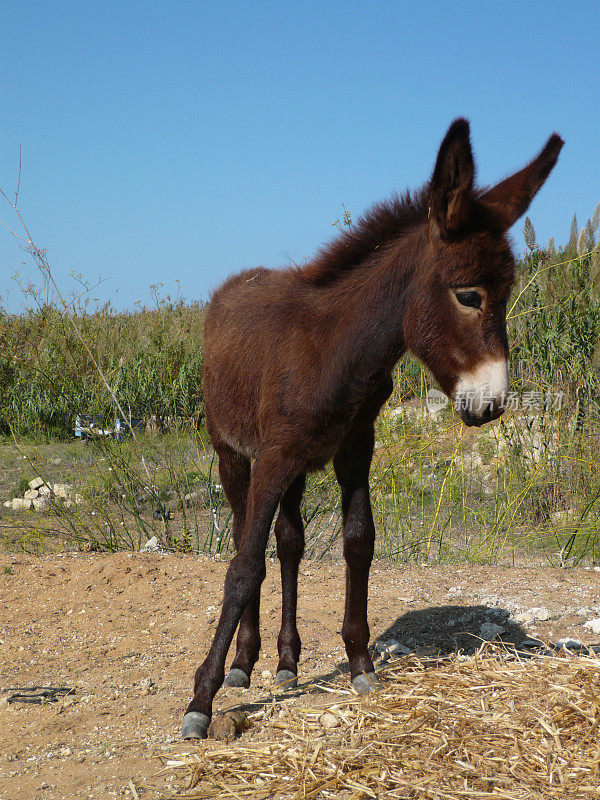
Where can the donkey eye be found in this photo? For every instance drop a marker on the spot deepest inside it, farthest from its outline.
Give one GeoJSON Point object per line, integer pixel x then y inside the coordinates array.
{"type": "Point", "coordinates": [470, 298]}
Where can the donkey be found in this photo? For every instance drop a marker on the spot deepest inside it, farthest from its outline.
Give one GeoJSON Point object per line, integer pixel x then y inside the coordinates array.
{"type": "Point", "coordinates": [298, 364]}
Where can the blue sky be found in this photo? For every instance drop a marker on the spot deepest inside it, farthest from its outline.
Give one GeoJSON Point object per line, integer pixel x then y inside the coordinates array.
{"type": "Point", "coordinates": [166, 142]}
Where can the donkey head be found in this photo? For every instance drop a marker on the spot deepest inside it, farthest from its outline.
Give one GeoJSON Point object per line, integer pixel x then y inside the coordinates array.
{"type": "Point", "coordinates": [455, 319]}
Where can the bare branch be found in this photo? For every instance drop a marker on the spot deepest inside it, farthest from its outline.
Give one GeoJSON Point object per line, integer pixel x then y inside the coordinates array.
{"type": "Point", "coordinates": [18, 179]}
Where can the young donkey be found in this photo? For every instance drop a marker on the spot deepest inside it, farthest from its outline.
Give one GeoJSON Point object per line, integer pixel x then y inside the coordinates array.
{"type": "Point", "coordinates": [298, 364]}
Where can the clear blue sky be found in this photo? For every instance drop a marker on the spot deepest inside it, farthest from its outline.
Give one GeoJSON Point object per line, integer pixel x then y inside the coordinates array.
{"type": "Point", "coordinates": [172, 140]}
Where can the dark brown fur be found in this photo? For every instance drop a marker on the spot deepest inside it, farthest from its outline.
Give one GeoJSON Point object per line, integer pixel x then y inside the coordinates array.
{"type": "Point", "coordinates": [298, 363]}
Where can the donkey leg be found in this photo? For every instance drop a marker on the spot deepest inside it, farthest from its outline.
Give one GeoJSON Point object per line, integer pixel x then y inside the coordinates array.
{"type": "Point", "coordinates": [289, 531]}
{"type": "Point", "coordinates": [351, 464]}
{"type": "Point", "coordinates": [234, 470]}
{"type": "Point", "coordinates": [268, 481]}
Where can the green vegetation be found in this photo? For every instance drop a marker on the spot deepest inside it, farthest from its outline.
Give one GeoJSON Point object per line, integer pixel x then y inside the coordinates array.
{"type": "Point", "coordinates": [152, 359]}
{"type": "Point", "coordinates": [524, 489]}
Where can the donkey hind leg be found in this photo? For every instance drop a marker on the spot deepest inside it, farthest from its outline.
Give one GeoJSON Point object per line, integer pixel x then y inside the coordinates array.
{"type": "Point", "coordinates": [289, 532]}
{"type": "Point", "coordinates": [351, 464]}
{"type": "Point", "coordinates": [234, 470]}
{"type": "Point", "coordinates": [268, 481]}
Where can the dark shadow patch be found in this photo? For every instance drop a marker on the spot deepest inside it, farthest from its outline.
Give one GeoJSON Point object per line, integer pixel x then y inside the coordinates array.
{"type": "Point", "coordinates": [453, 629]}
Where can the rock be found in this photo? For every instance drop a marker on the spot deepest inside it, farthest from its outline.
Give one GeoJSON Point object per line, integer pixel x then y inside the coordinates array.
{"type": "Point", "coordinates": [45, 491]}
{"type": "Point", "coordinates": [152, 546]}
{"type": "Point", "coordinates": [197, 498]}
{"type": "Point", "coordinates": [8, 504]}
{"type": "Point", "coordinates": [491, 601]}
{"type": "Point", "coordinates": [62, 490]}
{"type": "Point", "coordinates": [147, 686]}
{"type": "Point", "coordinates": [35, 483]}
{"type": "Point", "coordinates": [389, 648]}
{"type": "Point", "coordinates": [490, 631]}
{"type": "Point", "coordinates": [40, 503]}
{"type": "Point", "coordinates": [540, 614]}
{"type": "Point", "coordinates": [568, 644]}
{"type": "Point", "coordinates": [78, 498]}
{"type": "Point", "coordinates": [593, 625]}
{"type": "Point", "coordinates": [384, 649]}
{"type": "Point", "coordinates": [31, 494]}
{"type": "Point", "coordinates": [329, 721]}
{"type": "Point", "coordinates": [533, 614]}
{"type": "Point", "coordinates": [20, 504]}
{"type": "Point", "coordinates": [524, 618]}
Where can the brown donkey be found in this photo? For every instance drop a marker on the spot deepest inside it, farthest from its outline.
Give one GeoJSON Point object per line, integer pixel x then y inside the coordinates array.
{"type": "Point", "coordinates": [298, 364]}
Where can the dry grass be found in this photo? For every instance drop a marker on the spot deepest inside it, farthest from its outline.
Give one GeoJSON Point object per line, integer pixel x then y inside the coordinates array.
{"type": "Point", "coordinates": [474, 727]}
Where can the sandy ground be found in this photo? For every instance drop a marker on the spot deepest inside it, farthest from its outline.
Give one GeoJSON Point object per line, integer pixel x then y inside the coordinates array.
{"type": "Point", "coordinates": [127, 631]}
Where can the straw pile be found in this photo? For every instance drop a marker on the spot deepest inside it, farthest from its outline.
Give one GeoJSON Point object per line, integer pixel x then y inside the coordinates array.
{"type": "Point", "coordinates": [472, 727]}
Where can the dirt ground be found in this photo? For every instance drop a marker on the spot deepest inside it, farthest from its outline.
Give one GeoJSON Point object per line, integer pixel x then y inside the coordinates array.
{"type": "Point", "coordinates": [127, 631]}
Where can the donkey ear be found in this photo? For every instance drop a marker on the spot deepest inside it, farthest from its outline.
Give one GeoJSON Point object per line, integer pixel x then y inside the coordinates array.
{"type": "Point", "coordinates": [451, 185]}
{"type": "Point", "coordinates": [510, 198]}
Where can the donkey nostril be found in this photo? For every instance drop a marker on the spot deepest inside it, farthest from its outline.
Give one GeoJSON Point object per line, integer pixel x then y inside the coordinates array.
{"type": "Point", "coordinates": [487, 414]}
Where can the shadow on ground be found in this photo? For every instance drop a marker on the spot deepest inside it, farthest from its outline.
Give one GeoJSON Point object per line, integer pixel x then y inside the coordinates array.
{"type": "Point", "coordinates": [452, 629]}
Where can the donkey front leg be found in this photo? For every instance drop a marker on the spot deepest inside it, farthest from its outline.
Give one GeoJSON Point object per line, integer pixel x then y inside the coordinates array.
{"type": "Point", "coordinates": [242, 585]}
{"type": "Point", "coordinates": [352, 464]}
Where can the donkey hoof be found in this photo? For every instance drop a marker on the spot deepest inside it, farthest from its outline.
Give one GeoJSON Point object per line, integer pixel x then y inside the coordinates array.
{"type": "Point", "coordinates": [237, 677]}
{"type": "Point", "coordinates": [365, 682]}
{"type": "Point", "coordinates": [194, 725]}
{"type": "Point", "coordinates": [285, 679]}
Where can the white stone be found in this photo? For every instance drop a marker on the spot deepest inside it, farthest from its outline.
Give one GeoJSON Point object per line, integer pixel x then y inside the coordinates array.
{"type": "Point", "coordinates": [62, 490]}
{"type": "Point", "coordinates": [35, 483]}
{"type": "Point", "coordinates": [45, 491]}
{"type": "Point", "coordinates": [20, 504]}
{"type": "Point", "coordinates": [151, 546]}
{"type": "Point", "coordinates": [8, 504]}
{"type": "Point", "coordinates": [593, 625]}
{"type": "Point", "coordinates": [40, 503]}
{"type": "Point", "coordinates": [524, 618]}
{"type": "Point", "coordinates": [78, 499]}
{"type": "Point", "coordinates": [31, 494]}
{"type": "Point", "coordinates": [539, 614]}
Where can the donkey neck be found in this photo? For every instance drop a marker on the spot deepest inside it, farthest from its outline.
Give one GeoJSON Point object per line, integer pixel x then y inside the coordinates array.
{"type": "Point", "coordinates": [370, 303]}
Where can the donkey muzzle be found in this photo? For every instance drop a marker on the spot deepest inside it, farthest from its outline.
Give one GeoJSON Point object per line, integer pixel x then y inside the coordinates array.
{"type": "Point", "coordinates": [480, 395]}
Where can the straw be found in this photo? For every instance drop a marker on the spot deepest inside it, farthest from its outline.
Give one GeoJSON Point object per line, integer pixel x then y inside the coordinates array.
{"type": "Point", "coordinates": [483, 726]}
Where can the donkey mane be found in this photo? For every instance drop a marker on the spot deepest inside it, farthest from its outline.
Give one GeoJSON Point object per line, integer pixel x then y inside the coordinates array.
{"type": "Point", "coordinates": [381, 224]}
